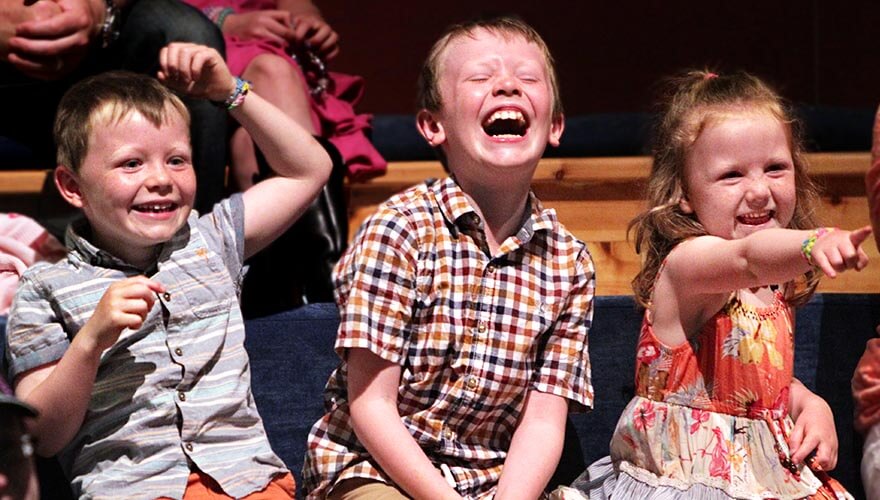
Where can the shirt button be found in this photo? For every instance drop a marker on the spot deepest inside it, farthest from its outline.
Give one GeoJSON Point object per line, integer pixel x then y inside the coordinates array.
{"type": "Point", "coordinates": [481, 327]}
{"type": "Point", "coordinates": [178, 351]}
{"type": "Point", "coordinates": [189, 447]}
{"type": "Point", "coordinates": [181, 395]}
{"type": "Point", "coordinates": [448, 434]}
{"type": "Point", "coordinates": [472, 383]}
{"type": "Point", "coordinates": [166, 296]}
{"type": "Point", "coordinates": [490, 269]}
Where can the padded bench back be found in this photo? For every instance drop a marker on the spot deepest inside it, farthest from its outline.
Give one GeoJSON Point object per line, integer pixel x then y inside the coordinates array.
{"type": "Point", "coordinates": [292, 356]}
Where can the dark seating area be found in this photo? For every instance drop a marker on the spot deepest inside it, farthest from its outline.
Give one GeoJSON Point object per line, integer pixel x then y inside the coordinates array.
{"type": "Point", "coordinates": [292, 356]}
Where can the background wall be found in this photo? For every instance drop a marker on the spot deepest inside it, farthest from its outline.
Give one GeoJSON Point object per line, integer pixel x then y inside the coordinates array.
{"type": "Point", "coordinates": [610, 54]}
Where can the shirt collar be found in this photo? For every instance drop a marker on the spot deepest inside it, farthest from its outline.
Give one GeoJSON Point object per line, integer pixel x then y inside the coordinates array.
{"type": "Point", "coordinates": [461, 216]}
{"type": "Point", "coordinates": [77, 239]}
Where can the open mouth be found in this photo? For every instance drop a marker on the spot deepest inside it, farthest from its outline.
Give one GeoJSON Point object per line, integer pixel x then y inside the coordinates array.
{"type": "Point", "coordinates": [506, 123]}
{"type": "Point", "coordinates": [155, 208]}
{"type": "Point", "coordinates": [756, 219]}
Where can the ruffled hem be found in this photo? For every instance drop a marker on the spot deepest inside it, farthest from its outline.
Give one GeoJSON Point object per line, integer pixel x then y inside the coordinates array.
{"type": "Point", "coordinates": [603, 481]}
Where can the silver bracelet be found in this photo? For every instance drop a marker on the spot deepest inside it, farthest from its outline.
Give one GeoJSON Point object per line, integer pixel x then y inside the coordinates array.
{"type": "Point", "coordinates": [110, 28]}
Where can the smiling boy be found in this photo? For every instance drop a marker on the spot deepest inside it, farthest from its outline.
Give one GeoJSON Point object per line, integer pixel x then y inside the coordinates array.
{"type": "Point", "coordinates": [465, 304]}
{"type": "Point", "coordinates": [132, 348]}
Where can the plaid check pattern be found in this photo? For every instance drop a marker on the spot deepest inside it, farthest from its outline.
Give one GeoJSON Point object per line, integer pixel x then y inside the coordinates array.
{"type": "Point", "coordinates": [473, 332]}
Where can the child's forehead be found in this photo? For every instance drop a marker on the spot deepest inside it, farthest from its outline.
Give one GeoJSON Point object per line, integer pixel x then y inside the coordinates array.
{"type": "Point", "coordinates": [467, 40]}
{"type": "Point", "coordinates": [113, 121]}
{"type": "Point", "coordinates": [111, 113]}
{"type": "Point", "coordinates": [707, 117]}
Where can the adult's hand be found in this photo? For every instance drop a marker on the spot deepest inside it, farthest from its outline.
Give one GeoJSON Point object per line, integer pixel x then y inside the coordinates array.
{"type": "Point", "coordinates": [310, 28]}
{"type": "Point", "coordinates": [272, 25]}
{"type": "Point", "coordinates": [52, 47]}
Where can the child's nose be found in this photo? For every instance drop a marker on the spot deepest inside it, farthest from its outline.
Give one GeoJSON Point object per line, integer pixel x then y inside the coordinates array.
{"type": "Point", "coordinates": [507, 84]}
{"type": "Point", "coordinates": [157, 175]}
{"type": "Point", "coordinates": [758, 191]}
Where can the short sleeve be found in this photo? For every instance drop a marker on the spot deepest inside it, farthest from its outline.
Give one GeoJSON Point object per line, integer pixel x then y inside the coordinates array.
{"type": "Point", "coordinates": [376, 286]}
{"type": "Point", "coordinates": [563, 362]}
{"type": "Point", "coordinates": [223, 230]}
{"type": "Point", "coordinates": [35, 335]}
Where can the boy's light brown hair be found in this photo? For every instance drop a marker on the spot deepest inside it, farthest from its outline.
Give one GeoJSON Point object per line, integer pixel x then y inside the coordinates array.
{"type": "Point", "coordinates": [102, 100]}
{"type": "Point", "coordinates": [429, 97]}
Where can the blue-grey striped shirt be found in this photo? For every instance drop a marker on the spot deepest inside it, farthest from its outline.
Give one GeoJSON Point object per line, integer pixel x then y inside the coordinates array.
{"type": "Point", "coordinates": [174, 392]}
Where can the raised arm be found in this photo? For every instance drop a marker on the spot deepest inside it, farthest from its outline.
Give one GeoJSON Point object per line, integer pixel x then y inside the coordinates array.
{"type": "Point", "coordinates": [302, 165]}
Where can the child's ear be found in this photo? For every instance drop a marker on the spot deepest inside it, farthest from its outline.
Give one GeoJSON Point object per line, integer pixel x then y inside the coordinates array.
{"type": "Point", "coordinates": [430, 128]}
{"type": "Point", "coordinates": [685, 205]}
{"type": "Point", "coordinates": [556, 128]}
{"type": "Point", "coordinates": [67, 183]}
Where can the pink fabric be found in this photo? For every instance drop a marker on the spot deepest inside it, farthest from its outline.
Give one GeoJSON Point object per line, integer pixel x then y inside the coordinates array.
{"type": "Point", "coordinates": [22, 243]}
{"type": "Point", "coordinates": [332, 114]}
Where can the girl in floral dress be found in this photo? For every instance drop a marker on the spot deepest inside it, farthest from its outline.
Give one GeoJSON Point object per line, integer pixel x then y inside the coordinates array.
{"type": "Point", "coordinates": [730, 247]}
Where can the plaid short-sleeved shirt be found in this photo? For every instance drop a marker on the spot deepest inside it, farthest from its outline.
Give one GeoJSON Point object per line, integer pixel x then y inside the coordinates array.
{"type": "Point", "coordinates": [172, 393]}
{"type": "Point", "coordinates": [473, 332]}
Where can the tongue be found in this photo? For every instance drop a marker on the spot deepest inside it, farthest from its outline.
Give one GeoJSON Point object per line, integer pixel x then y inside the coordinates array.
{"type": "Point", "coordinates": [504, 127]}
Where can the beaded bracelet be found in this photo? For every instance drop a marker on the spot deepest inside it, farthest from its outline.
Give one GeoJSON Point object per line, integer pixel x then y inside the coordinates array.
{"type": "Point", "coordinates": [242, 87]}
{"type": "Point", "coordinates": [218, 15]}
{"type": "Point", "coordinates": [810, 242]}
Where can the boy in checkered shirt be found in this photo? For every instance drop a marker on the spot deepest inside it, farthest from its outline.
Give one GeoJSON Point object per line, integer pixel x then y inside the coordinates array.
{"type": "Point", "coordinates": [464, 303]}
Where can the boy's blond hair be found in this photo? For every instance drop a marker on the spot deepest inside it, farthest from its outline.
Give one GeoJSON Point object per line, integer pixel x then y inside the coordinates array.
{"type": "Point", "coordinates": [429, 97]}
{"type": "Point", "coordinates": [696, 99]}
{"type": "Point", "coordinates": [105, 99]}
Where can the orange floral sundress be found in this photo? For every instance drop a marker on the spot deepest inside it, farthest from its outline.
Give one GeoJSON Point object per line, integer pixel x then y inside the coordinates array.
{"type": "Point", "coordinates": [711, 416]}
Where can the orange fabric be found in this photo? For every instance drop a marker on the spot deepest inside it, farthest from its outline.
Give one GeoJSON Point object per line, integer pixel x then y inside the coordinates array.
{"type": "Point", "coordinates": [201, 486]}
{"type": "Point", "coordinates": [740, 364]}
{"type": "Point", "coordinates": [866, 387]}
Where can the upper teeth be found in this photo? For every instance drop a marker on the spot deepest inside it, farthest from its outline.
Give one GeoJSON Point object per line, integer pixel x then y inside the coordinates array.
{"type": "Point", "coordinates": [506, 114]}
{"type": "Point", "coordinates": [755, 216]}
{"type": "Point", "coordinates": [155, 207]}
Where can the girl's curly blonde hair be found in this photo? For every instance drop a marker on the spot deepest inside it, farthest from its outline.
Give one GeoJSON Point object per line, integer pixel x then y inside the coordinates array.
{"type": "Point", "coordinates": [694, 99]}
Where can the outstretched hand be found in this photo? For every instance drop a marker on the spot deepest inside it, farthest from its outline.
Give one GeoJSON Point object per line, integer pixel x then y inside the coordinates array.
{"type": "Point", "coordinates": [840, 250]}
{"type": "Point", "coordinates": [195, 70]}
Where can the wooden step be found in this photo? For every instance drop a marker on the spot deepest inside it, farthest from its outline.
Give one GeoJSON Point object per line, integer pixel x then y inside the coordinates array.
{"type": "Point", "coordinates": [594, 197]}
{"type": "Point", "coordinates": [597, 197]}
